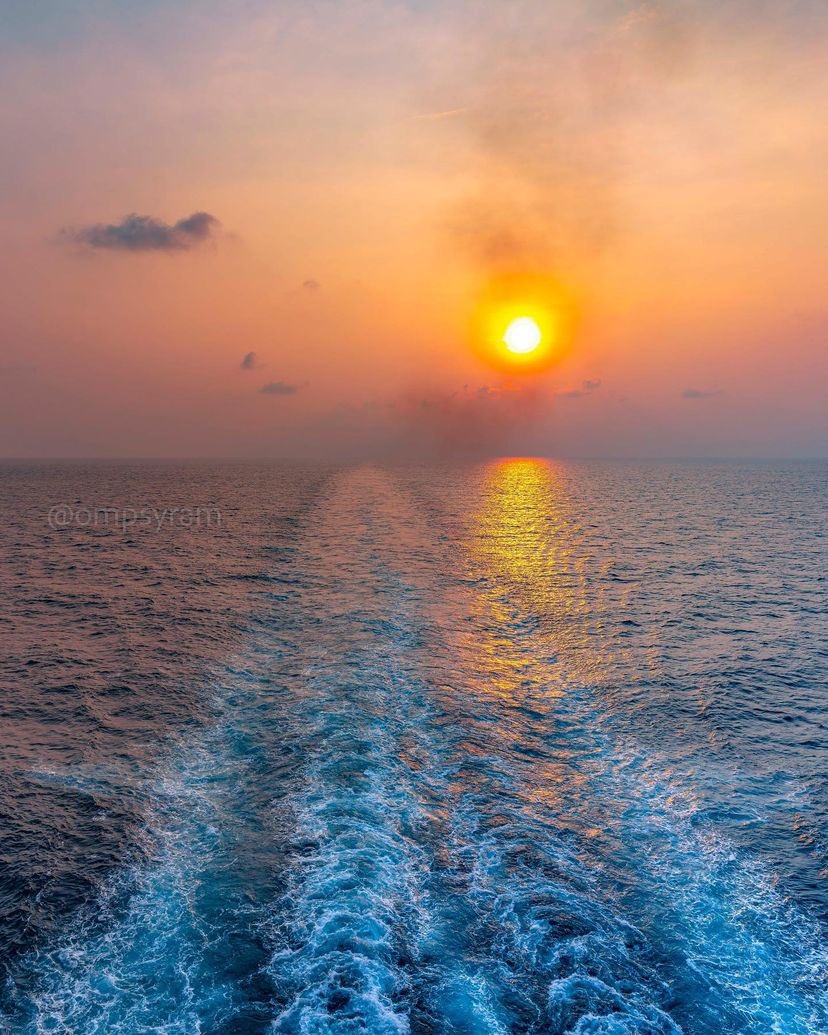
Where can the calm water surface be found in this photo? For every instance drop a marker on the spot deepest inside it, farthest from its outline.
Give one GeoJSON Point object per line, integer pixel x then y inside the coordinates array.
{"type": "Point", "coordinates": [522, 746]}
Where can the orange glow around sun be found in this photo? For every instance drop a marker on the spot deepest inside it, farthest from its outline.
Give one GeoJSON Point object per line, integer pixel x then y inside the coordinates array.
{"type": "Point", "coordinates": [523, 323]}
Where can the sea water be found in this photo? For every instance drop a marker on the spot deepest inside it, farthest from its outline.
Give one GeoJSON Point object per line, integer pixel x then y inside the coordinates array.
{"type": "Point", "coordinates": [517, 746]}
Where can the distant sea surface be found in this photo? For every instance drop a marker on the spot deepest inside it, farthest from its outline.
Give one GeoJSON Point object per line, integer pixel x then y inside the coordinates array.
{"type": "Point", "coordinates": [512, 747]}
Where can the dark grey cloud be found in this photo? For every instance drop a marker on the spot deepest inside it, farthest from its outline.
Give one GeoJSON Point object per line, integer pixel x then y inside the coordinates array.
{"type": "Point", "coordinates": [279, 388]}
{"type": "Point", "coordinates": [137, 233]}
{"type": "Point", "coordinates": [311, 284]}
{"type": "Point", "coordinates": [700, 393]}
{"type": "Point", "coordinates": [249, 361]}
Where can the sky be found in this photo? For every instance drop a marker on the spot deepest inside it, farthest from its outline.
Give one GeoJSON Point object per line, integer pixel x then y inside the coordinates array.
{"type": "Point", "coordinates": [248, 228]}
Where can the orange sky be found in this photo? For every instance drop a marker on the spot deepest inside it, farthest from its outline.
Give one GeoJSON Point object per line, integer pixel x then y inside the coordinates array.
{"type": "Point", "coordinates": [374, 167]}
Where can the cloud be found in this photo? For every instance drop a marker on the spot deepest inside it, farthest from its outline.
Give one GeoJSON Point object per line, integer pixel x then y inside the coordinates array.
{"type": "Point", "coordinates": [700, 393]}
{"type": "Point", "coordinates": [249, 361]}
{"type": "Point", "coordinates": [279, 388]}
{"type": "Point", "coordinates": [548, 124]}
{"type": "Point", "coordinates": [587, 388]}
{"type": "Point", "coordinates": [137, 233]}
{"type": "Point", "coordinates": [311, 284]}
{"type": "Point", "coordinates": [433, 116]}
{"type": "Point", "coordinates": [470, 422]}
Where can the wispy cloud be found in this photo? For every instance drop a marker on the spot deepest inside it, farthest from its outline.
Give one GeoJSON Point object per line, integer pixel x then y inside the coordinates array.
{"type": "Point", "coordinates": [433, 116]}
{"type": "Point", "coordinates": [587, 388]}
{"type": "Point", "coordinates": [136, 233]}
{"type": "Point", "coordinates": [700, 393]}
{"type": "Point", "coordinates": [472, 421]}
{"type": "Point", "coordinates": [547, 120]}
{"type": "Point", "coordinates": [279, 388]}
{"type": "Point", "coordinates": [249, 361]}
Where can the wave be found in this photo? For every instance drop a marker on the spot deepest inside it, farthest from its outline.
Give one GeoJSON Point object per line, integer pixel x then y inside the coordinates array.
{"type": "Point", "coordinates": [393, 827]}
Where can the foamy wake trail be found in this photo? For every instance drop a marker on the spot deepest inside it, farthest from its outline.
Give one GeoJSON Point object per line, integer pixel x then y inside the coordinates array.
{"type": "Point", "coordinates": [425, 895]}
{"type": "Point", "coordinates": [344, 925]}
{"type": "Point", "coordinates": [367, 942]}
{"type": "Point", "coordinates": [724, 950]}
{"type": "Point", "coordinates": [554, 945]}
{"type": "Point", "coordinates": [156, 951]}
{"type": "Point", "coordinates": [746, 956]}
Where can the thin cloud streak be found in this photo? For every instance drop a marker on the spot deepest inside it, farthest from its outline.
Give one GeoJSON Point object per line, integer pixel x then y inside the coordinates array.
{"type": "Point", "coordinates": [434, 116]}
{"type": "Point", "coordinates": [279, 388]}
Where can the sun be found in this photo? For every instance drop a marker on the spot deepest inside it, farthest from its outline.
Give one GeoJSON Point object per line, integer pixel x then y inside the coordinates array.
{"type": "Point", "coordinates": [522, 336]}
{"type": "Point", "coordinates": [523, 323]}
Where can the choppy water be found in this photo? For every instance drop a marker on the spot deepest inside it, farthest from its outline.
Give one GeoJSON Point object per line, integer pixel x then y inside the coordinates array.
{"type": "Point", "coordinates": [514, 747]}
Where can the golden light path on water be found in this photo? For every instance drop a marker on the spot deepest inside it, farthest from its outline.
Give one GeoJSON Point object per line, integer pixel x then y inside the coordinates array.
{"type": "Point", "coordinates": [527, 537]}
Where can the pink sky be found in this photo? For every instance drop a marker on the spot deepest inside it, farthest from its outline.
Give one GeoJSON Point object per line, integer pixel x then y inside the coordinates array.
{"type": "Point", "coordinates": [373, 166]}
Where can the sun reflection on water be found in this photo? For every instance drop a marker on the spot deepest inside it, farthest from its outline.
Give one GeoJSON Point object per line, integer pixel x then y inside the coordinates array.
{"type": "Point", "coordinates": [529, 542]}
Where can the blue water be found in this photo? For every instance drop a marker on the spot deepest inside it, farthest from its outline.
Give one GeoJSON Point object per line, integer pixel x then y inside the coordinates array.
{"type": "Point", "coordinates": [511, 747]}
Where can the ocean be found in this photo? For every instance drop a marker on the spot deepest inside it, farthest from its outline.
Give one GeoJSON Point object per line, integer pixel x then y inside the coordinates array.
{"type": "Point", "coordinates": [521, 746]}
